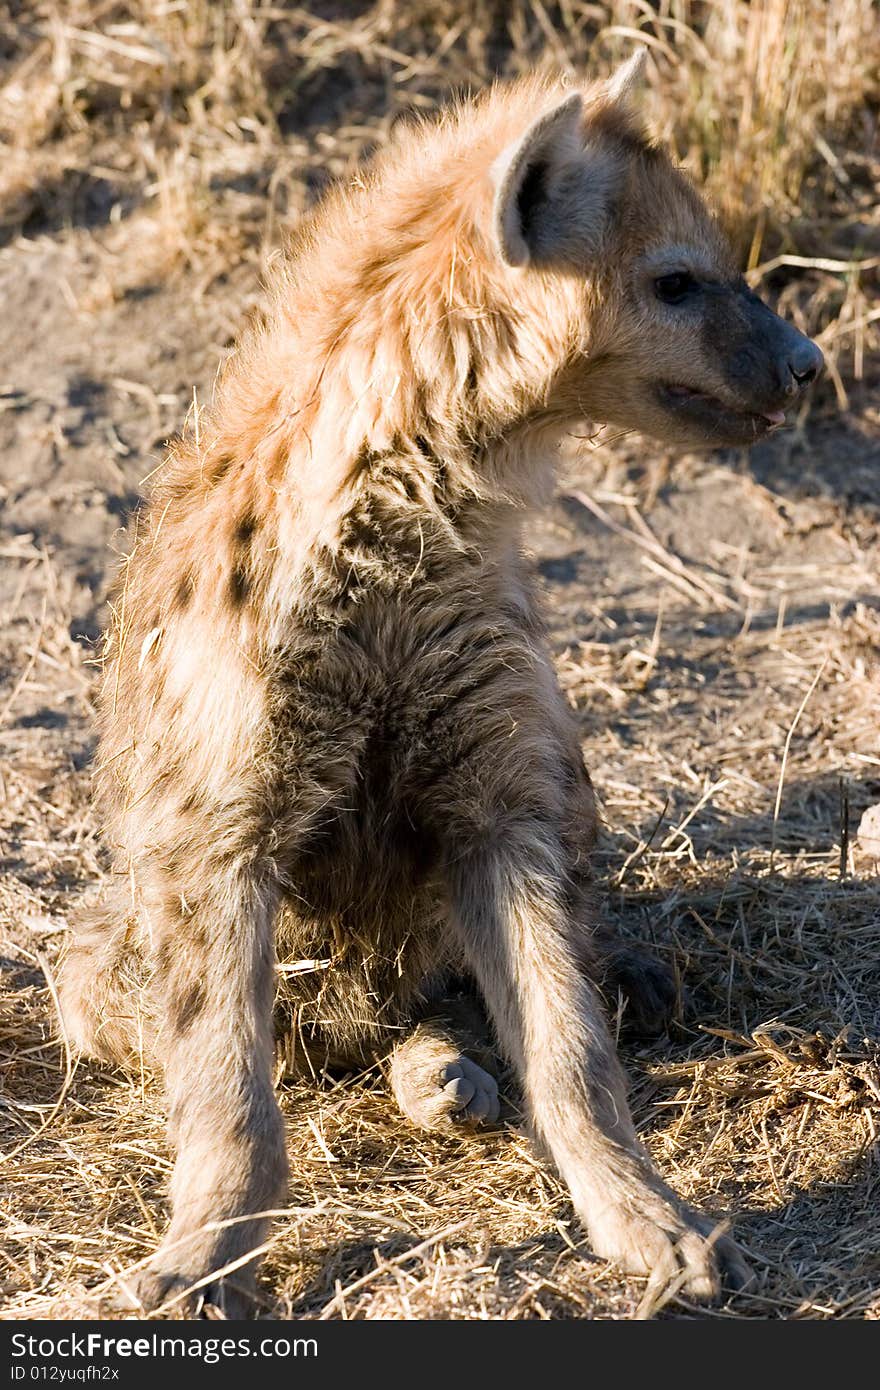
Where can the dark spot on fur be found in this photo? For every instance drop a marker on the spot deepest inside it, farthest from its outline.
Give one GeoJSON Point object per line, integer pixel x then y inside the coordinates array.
{"type": "Point", "coordinates": [361, 529]}
{"type": "Point", "coordinates": [184, 591]}
{"type": "Point", "coordinates": [186, 1007]}
{"type": "Point", "coordinates": [409, 487]}
{"type": "Point", "coordinates": [366, 458]}
{"type": "Point", "coordinates": [239, 586]}
{"type": "Point", "coordinates": [423, 446]}
{"type": "Point", "coordinates": [245, 529]}
{"type": "Point", "coordinates": [222, 467]}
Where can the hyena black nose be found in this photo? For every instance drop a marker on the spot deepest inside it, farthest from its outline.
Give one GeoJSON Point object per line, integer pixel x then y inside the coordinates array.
{"type": "Point", "coordinates": [805, 362]}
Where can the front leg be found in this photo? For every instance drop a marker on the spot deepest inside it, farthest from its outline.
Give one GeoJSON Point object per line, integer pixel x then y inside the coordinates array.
{"type": "Point", "coordinates": [511, 901]}
{"type": "Point", "coordinates": [213, 986]}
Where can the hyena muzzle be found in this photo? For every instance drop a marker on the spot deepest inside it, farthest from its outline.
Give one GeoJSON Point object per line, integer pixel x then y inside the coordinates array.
{"type": "Point", "coordinates": [331, 735]}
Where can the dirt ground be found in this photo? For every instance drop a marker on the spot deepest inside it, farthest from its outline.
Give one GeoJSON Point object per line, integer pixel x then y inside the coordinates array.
{"type": "Point", "coordinates": [715, 621]}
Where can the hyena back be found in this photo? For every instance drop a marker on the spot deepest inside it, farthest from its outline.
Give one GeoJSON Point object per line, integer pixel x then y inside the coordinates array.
{"type": "Point", "coordinates": [329, 721]}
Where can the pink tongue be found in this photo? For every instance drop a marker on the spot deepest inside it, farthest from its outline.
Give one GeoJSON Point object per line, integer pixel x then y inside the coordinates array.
{"type": "Point", "coordinates": [776, 417]}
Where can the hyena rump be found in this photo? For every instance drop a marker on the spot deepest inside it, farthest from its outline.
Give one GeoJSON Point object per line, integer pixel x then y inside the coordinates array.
{"type": "Point", "coordinates": [330, 727]}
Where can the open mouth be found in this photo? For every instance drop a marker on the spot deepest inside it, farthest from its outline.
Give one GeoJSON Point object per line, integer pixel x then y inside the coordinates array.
{"type": "Point", "coordinates": [714, 416]}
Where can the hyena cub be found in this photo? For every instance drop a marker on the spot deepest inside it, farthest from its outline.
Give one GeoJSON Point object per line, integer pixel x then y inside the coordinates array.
{"type": "Point", "coordinates": [330, 727]}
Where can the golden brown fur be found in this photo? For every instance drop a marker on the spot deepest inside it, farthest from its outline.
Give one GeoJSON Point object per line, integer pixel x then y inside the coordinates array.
{"type": "Point", "coordinates": [330, 726]}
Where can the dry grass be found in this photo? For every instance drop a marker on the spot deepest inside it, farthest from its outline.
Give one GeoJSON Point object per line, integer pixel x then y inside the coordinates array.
{"type": "Point", "coordinates": [208, 124]}
{"type": "Point", "coordinates": [719, 639]}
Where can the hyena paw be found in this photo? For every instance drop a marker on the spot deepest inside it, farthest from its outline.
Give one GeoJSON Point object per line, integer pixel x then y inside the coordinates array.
{"type": "Point", "coordinates": [438, 1088]}
{"type": "Point", "coordinates": [678, 1249]}
{"type": "Point", "coordinates": [467, 1093]}
{"type": "Point", "coordinates": [648, 988]}
{"type": "Point", "coordinates": [160, 1284]}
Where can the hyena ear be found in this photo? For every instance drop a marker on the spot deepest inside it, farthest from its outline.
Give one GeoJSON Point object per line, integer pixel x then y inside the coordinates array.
{"type": "Point", "coordinates": [626, 81]}
{"type": "Point", "coordinates": [526, 175]}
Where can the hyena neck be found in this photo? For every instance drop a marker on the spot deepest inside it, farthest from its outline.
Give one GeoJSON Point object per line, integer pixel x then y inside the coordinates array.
{"type": "Point", "coordinates": [411, 356]}
{"type": "Point", "coordinates": [396, 404]}
{"type": "Point", "coordinates": [405, 535]}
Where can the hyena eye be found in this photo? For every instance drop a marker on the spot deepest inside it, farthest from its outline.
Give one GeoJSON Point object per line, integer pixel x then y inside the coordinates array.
{"type": "Point", "coordinates": [674, 288]}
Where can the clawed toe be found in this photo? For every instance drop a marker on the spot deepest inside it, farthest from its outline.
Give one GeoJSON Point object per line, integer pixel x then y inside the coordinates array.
{"type": "Point", "coordinates": [185, 1294]}
{"type": "Point", "coordinates": [682, 1252]}
{"type": "Point", "coordinates": [438, 1088]}
{"type": "Point", "coordinates": [457, 1086]}
{"type": "Point", "coordinates": [473, 1091]}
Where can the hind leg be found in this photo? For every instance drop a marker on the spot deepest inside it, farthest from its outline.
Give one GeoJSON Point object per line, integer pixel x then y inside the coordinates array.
{"type": "Point", "coordinates": [213, 983]}
{"type": "Point", "coordinates": [101, 983]}
{"type": "Point", "coordinates": [441, 1074]}
{"type": "Point", "coordinates": [444, 1073]}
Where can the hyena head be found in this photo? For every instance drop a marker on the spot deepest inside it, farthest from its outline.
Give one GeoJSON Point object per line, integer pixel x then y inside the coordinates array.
{"type": "Point", "coordinates": [668, 338]}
